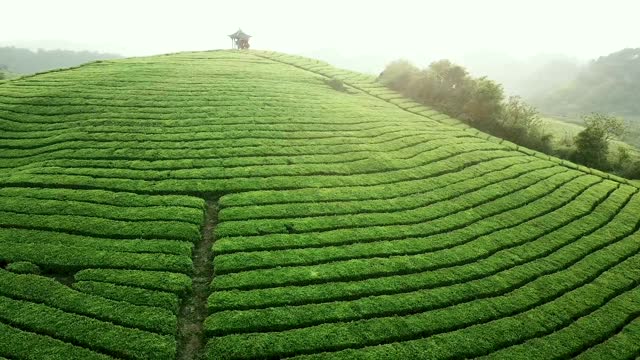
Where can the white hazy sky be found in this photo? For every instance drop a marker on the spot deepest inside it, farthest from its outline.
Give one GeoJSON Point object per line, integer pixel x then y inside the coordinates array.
{"type": "Point", "coordinates": [344, 28]}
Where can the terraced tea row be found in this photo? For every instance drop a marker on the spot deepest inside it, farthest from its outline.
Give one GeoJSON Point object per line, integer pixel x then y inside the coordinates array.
{"type": "Point", "coordinates": [566, 254]}
{"type": "Point", "coordinates": [350, 224]}
{"type": "Point", "coordinates": [112, 236]}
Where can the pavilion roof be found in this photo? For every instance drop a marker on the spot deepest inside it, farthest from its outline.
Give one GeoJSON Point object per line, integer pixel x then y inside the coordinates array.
{"type": "Point", "coordinates": [240, 35]}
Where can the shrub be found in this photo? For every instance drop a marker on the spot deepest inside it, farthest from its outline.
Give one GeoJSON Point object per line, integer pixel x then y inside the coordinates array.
{"type": "Point", "coordinates": [336, 84]}
{"type": "Point", "coordinates": [632, 171]}
{"type": "Point", "coordinates": [592, 143]}
{"type": "Point", "coordinates": [521, 123]}
{"type": "Point", "coordinates": [153, 280]}
{"type": "Point", "coordinates": [116, 340]}
{"type": "Point", "coordinates": [398, 75]}
{"type": "Point", "coordinates": [23, 267]}
{"type": "Point", "coordinates": [46, 291]}
{"type": "Point", "coordinates": [132, 295]}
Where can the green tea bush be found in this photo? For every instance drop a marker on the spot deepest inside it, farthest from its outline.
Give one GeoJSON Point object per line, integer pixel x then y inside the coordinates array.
{"type": "Point", "coordinates": [23, 267]}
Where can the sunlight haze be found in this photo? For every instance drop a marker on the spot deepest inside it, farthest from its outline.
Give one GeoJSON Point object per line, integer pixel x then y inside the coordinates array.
{"type": "Point", "coordinates": [362, 35]}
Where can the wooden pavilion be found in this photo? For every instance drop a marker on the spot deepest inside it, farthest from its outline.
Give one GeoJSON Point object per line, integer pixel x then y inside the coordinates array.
{"type": "Point", "coordinates": [239, 40]}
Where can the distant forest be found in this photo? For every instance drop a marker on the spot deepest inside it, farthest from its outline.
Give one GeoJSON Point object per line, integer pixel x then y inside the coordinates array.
{"type": "Point", "coordinates": [25, 61]}
{"type": "Point", "coordinates": [610, 84]}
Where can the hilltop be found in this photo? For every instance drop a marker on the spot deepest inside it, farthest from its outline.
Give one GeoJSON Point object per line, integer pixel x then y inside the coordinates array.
{"type": "Point", "coordinates": [251, 205]}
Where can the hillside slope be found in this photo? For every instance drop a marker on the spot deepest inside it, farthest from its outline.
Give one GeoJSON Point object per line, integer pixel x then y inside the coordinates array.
{"type": "Point", "coordinates": [345, 224]}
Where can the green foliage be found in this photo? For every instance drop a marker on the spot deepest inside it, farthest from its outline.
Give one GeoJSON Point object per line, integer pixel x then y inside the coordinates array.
{"type": "Point", "coordinates": [269, 319]}
{"type": "Point", "coordinates": [632, 135]}
{"type": "Point", "coordinates": [445, 85]}
{"type": "Point", "coordinates": [50, 292]}
{"type": "Point", "coordinates": [153, 280]}
{"type": "Point", "coordinates": [418, 210]}
{"type": "Point", "coordinates": [336, 84]}
{"type": "Point", "coordinates": [398, 75]}
{"type": "Point", "coordinates": [564, 295]}
{"type": "Point", "coordinates": [479, 102]}
{"type": "Point", "coordinates": [497, 215]}
{"type": "Point", "coordinates": [484, 104]}
{"type": "Point", "coordinates": [113, 339]}
{"type": "Point", "coordinates": [133, 295]}
{"type": "Point", "coordinates": [23, 267]}
{"type": "Point", "coordinates": [628, 246]}
{"type": "Point", "coordinates": [359, 200]}
{"type": "Point", "coordinates": [521, 123]}
{"type": "Point", "coordinates": [622, 157]}
{"type": "Point", "coordinates": [415, 281]}
{"type": "Point", "coordinates": [87, 225]}
{"type": "Point", "coordinates": [25, 344]}
{"type": "Point", "coordinates": [78, 242]}
{"type": "Point", "coordinates": [442, 84]}
{"type": "Point", "coordinates": [126, 201]}
{"type": "Point", "coordinates": [592, 144]}
{"type": "Point", "coordinates": [631, 170]}
{"type": "Point", "coordinates": [158, 214]}
{"type": "Point", "coordinates": [65, 259]}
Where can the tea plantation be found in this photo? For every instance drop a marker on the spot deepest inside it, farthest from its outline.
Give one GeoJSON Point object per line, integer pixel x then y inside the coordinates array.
{"type": "Point", "coordinates": [240, 205]}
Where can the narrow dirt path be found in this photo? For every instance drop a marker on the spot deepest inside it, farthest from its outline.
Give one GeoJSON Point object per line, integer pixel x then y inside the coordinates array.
{"type": "Point", "coordinates": [193, 311]}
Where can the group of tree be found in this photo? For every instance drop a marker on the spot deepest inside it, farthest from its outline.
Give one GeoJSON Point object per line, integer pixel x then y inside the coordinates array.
{"type": "Point", "coordinates": [25, 61]}
{"type": "Point", "coordinates": [481, 103]}
{"type": "Point", "coordinates": [593, 144]}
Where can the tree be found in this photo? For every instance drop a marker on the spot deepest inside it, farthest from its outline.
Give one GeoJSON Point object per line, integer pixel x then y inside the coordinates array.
{"type": "Point", "coordinates": [521, 123]}
{"type": "Point", "coordinates": [625, 164]}
{"type": "Point", "coordinates": [484, 104]}
{"type": "Point", "coordinates": [623, 157]}
{"type": "Point", "coordinates": [517, 113]}
{"type": "Point", "coordinates": [448, 86]}
{"type": "Point", "coordinates": [398, 75]}
{"type": "Point", "coordinates": [592, 143]}
{"type": "Point", "coordinates": [632, 171]}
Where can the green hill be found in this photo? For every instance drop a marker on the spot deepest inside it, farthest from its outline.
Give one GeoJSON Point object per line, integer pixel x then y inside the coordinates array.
{"type": "Point", "coordinates": [236, 203]}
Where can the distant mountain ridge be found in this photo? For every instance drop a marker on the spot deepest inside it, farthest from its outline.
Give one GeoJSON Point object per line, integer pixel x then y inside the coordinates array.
{"type": "Point", "coordinates": [610, 84]}
{"type": "Point", "coordinates": [25, 61]}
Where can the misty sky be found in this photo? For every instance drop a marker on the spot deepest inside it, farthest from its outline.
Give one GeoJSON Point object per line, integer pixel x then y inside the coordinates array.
{"type": "Point", "coordinates": [421, 31]}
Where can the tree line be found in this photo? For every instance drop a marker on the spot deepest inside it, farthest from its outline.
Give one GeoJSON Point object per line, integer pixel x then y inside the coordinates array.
{"type": "Point", "coordinates": [481, 103]}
